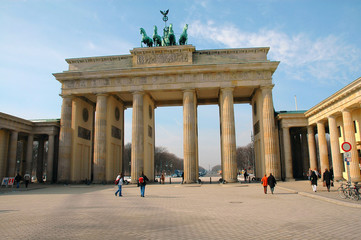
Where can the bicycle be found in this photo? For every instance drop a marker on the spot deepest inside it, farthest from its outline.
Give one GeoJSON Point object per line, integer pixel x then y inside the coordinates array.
{"type": "Point", "coordinates": [346, 190]}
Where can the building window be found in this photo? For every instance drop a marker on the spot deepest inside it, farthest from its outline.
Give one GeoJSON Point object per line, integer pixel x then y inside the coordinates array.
{"type": "Point", "coordinates": [339, 131]}
{"type": "Point", "coordinates": [355, 127]}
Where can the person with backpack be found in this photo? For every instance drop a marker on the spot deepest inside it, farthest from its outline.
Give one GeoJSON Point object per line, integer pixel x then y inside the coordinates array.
{"type": "Point", "coordinates": [119, 181]}
{"type": "Point", "coordinates": [142, 182]}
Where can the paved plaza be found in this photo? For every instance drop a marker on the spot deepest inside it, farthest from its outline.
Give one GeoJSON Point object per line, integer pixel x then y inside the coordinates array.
{"type": "Point", "coordinates": [175, 211]}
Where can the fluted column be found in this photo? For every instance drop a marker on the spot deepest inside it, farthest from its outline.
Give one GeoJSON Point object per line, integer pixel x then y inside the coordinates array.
{"type": "Point", "coordinates": [49, 166]}
{"type": "Point", "coordinates": [100, 138]}
{"type": "Point", "coordinates": [337, 162]}
{"type": "Point", "coordinates": [228, 142]}
{"type": "Point", "coordinates": [322, 146]}
{"type": "Point", "coordinates": [350, 137]}
{"type": "Point", "coordinates": [65, 140]}
{"type": "Point", "coordinates": [189, 136]}
{"type": "Point", "coordinates": [137, 154]}
{"type": "Point", "coordinates": [12, 153]}
{"type": "Point", "coordinates": [304, 147]}
{"type": "Point", "coordinates": [269, 137]}
{"type": "Point", "coordinates": [312, 147]}
{"type": "Point", "coordinates": [29, 154]}
{"type": "Point", "coordinates": [288, 153]}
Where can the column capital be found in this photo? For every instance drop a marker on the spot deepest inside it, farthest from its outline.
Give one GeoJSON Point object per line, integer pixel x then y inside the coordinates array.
{"type": "Point", "coordinates": [189, 89]}
{"type": "Point", "coordinates": [321, 122]}
{"type": "Point", "coordinates": [66, 96]}
{"type": "Point", "coordinates": [137, 92]}
{"type": "Point", "coordinates": [227, 89]}
{"type": "Point", "coordinates": [102, 94]}
{"type": "Point", "coordinates": [265, 87]}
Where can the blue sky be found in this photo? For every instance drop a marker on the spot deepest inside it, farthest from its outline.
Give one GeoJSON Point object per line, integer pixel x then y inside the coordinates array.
{"type": "Point", "coordinates": [317, 43]}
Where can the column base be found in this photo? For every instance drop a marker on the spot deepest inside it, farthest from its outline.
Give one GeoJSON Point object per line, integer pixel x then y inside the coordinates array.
{"type": "Point", "coordinates": [290, 180]}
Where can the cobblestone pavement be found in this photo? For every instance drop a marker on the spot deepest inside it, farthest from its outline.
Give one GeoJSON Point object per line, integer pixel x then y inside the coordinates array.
{"type": "Point", "coordinates": [173, 211]}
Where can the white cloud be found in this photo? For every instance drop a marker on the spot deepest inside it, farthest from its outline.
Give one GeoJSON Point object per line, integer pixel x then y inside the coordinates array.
{"type": "Point", "coordinates": [323, 59]}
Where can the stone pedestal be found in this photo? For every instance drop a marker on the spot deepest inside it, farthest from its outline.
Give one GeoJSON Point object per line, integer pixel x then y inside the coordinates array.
{"type": "Point", "coordinates": [228, 138]}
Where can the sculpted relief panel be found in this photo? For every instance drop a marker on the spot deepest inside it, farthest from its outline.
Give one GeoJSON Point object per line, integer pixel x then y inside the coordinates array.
{"type": "Point", "coordinates": [162, 58]}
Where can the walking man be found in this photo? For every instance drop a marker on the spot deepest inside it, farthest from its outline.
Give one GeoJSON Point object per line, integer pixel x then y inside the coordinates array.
{"type": "Point", "coordinates": [313, 180]}
{"type": "Point", "coordinates": [327, 177]}
{"type": "Point", "coordinates": [271, 182]}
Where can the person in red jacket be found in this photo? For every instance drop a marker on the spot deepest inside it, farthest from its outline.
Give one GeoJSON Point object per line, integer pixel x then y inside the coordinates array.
{"type": "Point", "coordinates": [264, 183]}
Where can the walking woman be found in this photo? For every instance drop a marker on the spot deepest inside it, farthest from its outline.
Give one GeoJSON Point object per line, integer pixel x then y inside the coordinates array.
{"type": "Point", "coordinates": [120, 181]}
{"type": "Point", "coordinates": [313, 179]}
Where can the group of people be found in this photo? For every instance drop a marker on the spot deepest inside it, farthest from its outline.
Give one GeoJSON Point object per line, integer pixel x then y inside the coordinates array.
{"type": "Point", "coordinates": [314, 175]}
{"type": "Point", "coordinates": [18, 179]}
{"type": "Point", "coordinates": [268, 181]}
{"type": "Point", "coordinates": [142, 181]}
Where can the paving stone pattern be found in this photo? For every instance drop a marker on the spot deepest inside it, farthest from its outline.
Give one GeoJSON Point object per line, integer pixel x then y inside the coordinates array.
{"type": "Point", "coordinates": [172, 211]}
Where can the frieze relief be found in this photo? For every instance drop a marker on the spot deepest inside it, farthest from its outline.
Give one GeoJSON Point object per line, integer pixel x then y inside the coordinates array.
{"type": "Point", "coordinates": [162, 58]}
{"type": "Point", "coordinates": [175, 78]}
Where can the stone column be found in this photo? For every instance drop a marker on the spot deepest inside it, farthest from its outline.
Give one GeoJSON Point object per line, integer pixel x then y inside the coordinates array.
{"type": "Point", "coordinates": [228, 142]}
{"type": "Point", "coordinates": [350, 137]}
{"type": "Point", "coordinates": [189, 136]}
{"type": "Point", "coordinates": [40, 160]}
{"type": "Point", "coordinates": [269, 137]}
{"type": "Point", "coordinates": [137, 154]}
{"type": "Point", "coordinates": [29, 154]}
{"type": "Point", "coordinates": [305, 156]}
{"type": "Point", "coordinates": [12, 154]}
{"type": "Point", "coordinates": [312, 147]}
{"type": "Point", "coordinates": [322, 146]}
{"type": "Point", "coordinates": [49, 167]}
{"type": "Point", "coordinates": [65, 140]}
{"type": "Point", "coordinates": [288, 153]}
{"type": "Point", "coordinates": [337, 162]}
{"type": "Point", "coordinates": [4, 149]}
{"type": "Point", "coordinates": [100, 138]}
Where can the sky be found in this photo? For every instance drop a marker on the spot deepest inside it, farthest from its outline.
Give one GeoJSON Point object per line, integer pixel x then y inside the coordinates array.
{"type": "Point", "coordinates": [316, 42]}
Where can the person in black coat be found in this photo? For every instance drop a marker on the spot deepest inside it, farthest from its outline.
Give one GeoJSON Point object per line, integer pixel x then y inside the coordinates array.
{"type": "Point", "coordinates": [313, 179]}
{"type": "Point", "coordinates": [327, 177]}
{"type": "Point", "coordinates": [271, 182]}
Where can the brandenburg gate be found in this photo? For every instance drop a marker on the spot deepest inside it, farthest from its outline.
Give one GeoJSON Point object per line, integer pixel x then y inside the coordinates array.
{"type": "Point", "coordinates": [96, 90]}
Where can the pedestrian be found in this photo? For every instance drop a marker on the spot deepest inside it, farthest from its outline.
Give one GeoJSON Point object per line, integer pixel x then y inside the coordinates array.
{"type": "Point", "coordinates": [245, 174]}
{"type": "Point", "coordinates": [142, 181]}
{"type": "Point", "coordinates": [119, 181]}
{"type": "Point", "coordinates": [162, 178]}
{"type": "Point", "coordinates": [313, 179]}
{"type": "Point", "coordinates": [331, 171]}
{"type": "Point", "coordinates": [327, 177]}
{"type": "Point", "coordinates": [182, 177]}
{"type": "Point", "coordinates": [264, 183]}
{"type": "Point", "coordinates": [271, 181]}
{"type": "Point", "coordinates": [27, 180]}
{"type": "Point", "coordinates": [17, 180]}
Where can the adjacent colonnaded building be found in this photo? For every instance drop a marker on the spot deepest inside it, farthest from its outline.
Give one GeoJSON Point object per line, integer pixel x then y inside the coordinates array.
{"type": "Point", "coordinates": [87, 143]}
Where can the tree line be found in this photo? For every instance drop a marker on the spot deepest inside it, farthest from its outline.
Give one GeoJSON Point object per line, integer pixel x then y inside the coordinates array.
{"type": "Point", "coordinates": [166, 162]}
